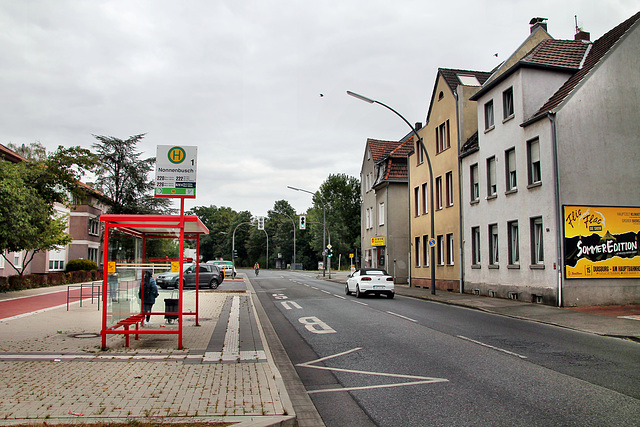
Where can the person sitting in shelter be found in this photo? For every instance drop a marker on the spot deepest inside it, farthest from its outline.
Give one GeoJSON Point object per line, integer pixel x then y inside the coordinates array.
{"type": "Point", "coordinates": [149, 289]}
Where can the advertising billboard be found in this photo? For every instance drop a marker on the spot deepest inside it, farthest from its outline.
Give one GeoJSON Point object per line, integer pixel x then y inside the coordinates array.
{"type": "Point", "coordinates": [601, 242]}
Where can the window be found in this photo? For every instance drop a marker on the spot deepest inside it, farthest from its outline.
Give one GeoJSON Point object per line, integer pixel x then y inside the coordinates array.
{"type": "Point", "coordinates": [510, 169]}
{"type": "Point", "coordinates": [475, 185]}
{"type": "Point", "coordinates": [416, 248]}
{"type": "Point", "coordinates": [94, 226]}
{"type": "Point", "coordinates": [537, 246]}
{"type": "Point", "coordinates": [425, 250]}
{"type": "Point", "coordinates": [492, 186]}
{"type": "Point", "coordinates": [440, 250]}
{"type": "Point", "coordinates": [514, 251]}
{"type": "Point", "coordinates": [450, 249]}
{"type": "Point", "coordinates": [493, 244]}
{"type": "Point", "coordinates": [368, 218]}
{"type": "Point", "coordinates": [439, 192]}
{"type": "Point", "coordinates": [533, 153]}
{"type": "Point", "coordinates": [17, 259]}
{"type": "Point", "coordinates": [488, 115]}
{"type": "Point", "coordinates": [56, 259]}
{"type": "Point", "coordinates": [93, 255]}
{"type": "Point", "coordinates": [425, 195]}
{"type": "Point", "coordinates": [416, 197]}
{"type": "Point", "coordinates": [442, 137]}
{"type": "Point", "coordinates": [1, 261]}
{"type": "Point", "coordinates": [381, 214]}
{"type": "Point", "coordinates": [419, 153]}
{"type": "Point", "coordinates": [507, 103]}
{"type": "Point", "coordinates": [449, 178]}
{"type": "Point", "coordinates": [475, 245]}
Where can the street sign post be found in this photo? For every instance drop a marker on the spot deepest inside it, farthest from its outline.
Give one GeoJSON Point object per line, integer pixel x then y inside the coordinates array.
{"type": "Point", "coordinates": [176, 170]}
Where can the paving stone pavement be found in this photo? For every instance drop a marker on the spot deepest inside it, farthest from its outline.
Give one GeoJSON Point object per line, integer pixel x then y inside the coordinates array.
{"type": "Point", "coordinates": [53, 370]}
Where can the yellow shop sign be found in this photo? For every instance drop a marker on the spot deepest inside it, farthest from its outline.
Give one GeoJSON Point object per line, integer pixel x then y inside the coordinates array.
{"type": "Point", "coordinates": [377, 241]}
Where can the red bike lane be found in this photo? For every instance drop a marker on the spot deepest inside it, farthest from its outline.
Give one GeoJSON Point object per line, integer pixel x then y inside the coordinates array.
{"type": "Point", "coordinates": [29, 304]}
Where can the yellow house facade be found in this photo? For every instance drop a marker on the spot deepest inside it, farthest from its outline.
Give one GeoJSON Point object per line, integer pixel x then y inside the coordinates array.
{"type": "Point", "coordinates": [451, 120]}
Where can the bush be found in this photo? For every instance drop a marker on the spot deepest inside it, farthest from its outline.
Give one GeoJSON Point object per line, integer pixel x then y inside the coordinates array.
{"type": "Point", "coordinates": [81, 265]}
{"type": "Point", "coordinates": [56, 279]}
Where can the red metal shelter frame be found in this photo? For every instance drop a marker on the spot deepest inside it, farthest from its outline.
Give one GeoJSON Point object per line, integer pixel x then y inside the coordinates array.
{"type": "Point", "coordinates": [147, 227]}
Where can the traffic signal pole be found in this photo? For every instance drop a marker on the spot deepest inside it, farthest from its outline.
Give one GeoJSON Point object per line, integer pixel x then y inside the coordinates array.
{"type": "Point", "coordinates": [328, 247]}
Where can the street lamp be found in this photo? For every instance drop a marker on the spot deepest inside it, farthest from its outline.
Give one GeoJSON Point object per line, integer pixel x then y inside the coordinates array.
{"type": "Point", "coordinates": [424, 150]}
{"type": "Point", "coordinates": [324, 233]}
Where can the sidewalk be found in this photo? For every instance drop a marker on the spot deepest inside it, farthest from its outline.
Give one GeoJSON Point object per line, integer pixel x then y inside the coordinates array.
{"type": "Point", "coordinates": [52, 368]}
{"type": "Point", "coordinates": [608, 320]}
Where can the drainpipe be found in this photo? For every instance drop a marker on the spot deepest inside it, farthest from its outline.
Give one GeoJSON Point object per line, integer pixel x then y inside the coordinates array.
{"type": "Point", "coordinates": [559, 219]}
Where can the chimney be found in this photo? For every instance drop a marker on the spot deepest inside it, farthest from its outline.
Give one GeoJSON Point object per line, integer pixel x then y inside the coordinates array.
{"type": "Point", "coordinates": [582, 35]}
{"type": "Point", "coordinates": [418, 125]}
{"type": "Point", "coordinates": [538, 22]}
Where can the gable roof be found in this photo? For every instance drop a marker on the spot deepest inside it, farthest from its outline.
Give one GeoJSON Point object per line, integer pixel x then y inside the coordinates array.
{"type": "Point", "coordinates": [594, 55]}
{"type": "Point", "coordinates": [10, 155]}
{"type": "Point", "coordinates": [391, 156]}
{"type": "Point", "coordinates": [380, 149]}
{"type": "Point", "coordinates": [452, 77]}
{"type": "Point", "coordinates": [563, 55]}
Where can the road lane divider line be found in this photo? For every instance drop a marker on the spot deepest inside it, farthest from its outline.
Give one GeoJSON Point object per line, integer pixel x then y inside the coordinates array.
{"type": "Point", "coordinates": [492, 347]}
{"type": "Point", "coordinates": [361, 303]}
{"type": "Point", "coordinates": [404, 317]}
{"type": "Point", "coordinates": [338, 296]}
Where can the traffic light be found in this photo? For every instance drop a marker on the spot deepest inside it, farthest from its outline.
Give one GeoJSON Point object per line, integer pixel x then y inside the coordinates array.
{"type": "Point", "coordinates": [329, 253]}
{"type": "Point", "coordinates": [260, 223]}
{"type": "Point", "coordinates": [303, 222]}
{"type": "Point", "coordinates": [235, 253]}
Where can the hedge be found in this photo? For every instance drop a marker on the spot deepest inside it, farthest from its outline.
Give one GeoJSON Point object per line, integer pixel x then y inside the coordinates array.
{"type": "Point", "coordinates": [29, 281]}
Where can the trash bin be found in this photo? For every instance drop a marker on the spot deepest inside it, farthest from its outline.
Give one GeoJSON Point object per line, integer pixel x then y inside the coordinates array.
{"type": "Point", "coordinates": [171, 306]}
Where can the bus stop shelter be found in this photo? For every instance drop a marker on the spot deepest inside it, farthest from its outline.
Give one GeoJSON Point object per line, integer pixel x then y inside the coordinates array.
{"type": "Point", "coordinates": [125, 260]}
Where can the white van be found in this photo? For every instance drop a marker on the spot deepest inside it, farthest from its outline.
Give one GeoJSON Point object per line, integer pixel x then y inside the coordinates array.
{"type": "Point", "coordinates": [224, 266]}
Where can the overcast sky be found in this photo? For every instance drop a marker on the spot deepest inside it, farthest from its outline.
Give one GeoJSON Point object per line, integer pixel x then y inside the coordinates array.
{"type": "Point", "coordinates": [259, 86]}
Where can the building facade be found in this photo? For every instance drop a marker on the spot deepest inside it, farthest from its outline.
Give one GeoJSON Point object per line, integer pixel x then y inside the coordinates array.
{"type": "Point", "coordinates": [451, 118]}
{"type": "Point", "coordinates": [384, 219]}
{"type": "Point", "coordinates": [550, 128]}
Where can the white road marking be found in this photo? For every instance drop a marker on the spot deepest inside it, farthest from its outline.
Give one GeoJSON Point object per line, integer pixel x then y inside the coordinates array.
{"type": "Point", "coordinates": [361, 303]}
{"type": "Point", "coordinates": [493, 347]}
{"type": "Point", "coordinates": [339, 296]}
{"type": "Point", "coordinates": [326, 292]}
{"type": "Point", "coordinates": [404, 317]}
{"type": "Point", "coordinates": [315, 325]}
{"type": "Point", "coordinates": [280, 296]}
{"type": "Point", "coordinates": [420, 379]}
{"type": "Point", "coordinates": [290, 304]}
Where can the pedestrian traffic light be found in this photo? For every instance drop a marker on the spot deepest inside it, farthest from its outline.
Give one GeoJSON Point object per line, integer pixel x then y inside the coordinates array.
{"type": "Point", "coordinates": [260, 223]}
{"type": "Point", "coordinates": [303, 222]}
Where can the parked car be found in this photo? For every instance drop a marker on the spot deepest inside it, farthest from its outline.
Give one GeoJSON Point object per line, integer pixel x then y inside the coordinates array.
{"type": "Point", "coordinates": [209, 275]}
{"type": "Point", "coordinates": [370, 281]}
{"type": "Point", "coordinates": [226, 266]}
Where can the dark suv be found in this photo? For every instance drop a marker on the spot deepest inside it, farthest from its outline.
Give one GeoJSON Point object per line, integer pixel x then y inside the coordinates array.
{"type": "Point", "coordinates": [210, 276]}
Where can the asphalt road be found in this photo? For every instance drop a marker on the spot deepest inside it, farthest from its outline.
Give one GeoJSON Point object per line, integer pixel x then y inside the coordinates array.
{"type": "Point", "coordinates": [407, 362]}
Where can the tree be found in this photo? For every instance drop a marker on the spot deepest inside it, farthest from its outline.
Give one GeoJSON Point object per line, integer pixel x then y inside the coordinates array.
{"type": "Point", "coordinates": [340, 196]}
{"type": "Point", "coordinates": [123, 177]}
{"type": "Point", "coordinates": [30, 190]}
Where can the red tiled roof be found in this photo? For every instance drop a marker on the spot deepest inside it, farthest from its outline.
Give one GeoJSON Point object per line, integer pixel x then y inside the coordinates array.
{"type": "Point", "coordinates": [10, 155]}
{"type": "Point", "coordinates": [381, 149]}
{"type": "Point", "coordinates": [396, 170]}
{"type": "Point", "coordinates": [557, 53]}
{"type": "Point", "coordinates": [598, 49]}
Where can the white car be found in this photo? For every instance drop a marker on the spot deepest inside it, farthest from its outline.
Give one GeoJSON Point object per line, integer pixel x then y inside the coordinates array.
{"type": "Point", "coordinates": [370, 281]}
